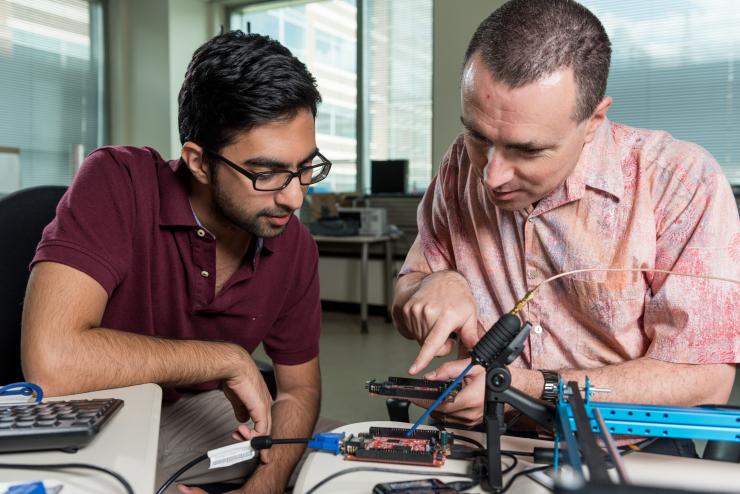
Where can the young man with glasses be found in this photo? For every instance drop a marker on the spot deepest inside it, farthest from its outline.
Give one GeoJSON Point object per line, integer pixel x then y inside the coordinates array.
{"type": "Point", "coordinates": [175, 271]}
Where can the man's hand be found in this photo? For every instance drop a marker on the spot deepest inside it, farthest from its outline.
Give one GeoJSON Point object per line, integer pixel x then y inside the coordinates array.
{"type": "Point", "coordinates": [441, 305]}
{"type": "Point", "coordinates": [468, 406]}
{"type": "Point", "coordinates": [250, 398]}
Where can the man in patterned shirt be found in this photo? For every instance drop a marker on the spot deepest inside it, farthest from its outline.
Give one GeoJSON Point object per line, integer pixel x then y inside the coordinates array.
{"type": "Point", "coordinates": [540, 183]}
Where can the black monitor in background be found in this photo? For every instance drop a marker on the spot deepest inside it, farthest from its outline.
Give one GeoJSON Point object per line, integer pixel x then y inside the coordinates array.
{"type": "Point", "coordinates": [388, 176]}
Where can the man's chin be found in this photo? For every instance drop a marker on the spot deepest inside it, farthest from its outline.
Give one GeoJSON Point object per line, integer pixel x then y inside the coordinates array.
{"type": "Point", "coordinates": [268, 230]}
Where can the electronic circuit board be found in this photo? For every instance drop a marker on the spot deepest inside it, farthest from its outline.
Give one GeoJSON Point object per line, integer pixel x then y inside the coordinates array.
{"type": "Point", "coordinates": [404, 387]}
{"type": "Point", "coordinates": [390, 445]}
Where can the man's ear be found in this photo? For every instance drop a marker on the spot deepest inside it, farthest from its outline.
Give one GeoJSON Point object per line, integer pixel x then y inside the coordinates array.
{"type": "Point", "coordinates": [192, 155]}
{"type": "Point", "coordinates": [597, 117]}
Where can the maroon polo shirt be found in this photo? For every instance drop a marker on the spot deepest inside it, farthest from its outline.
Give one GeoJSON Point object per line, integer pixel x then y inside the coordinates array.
{"type": "Point", "coordinates": [126, 221]}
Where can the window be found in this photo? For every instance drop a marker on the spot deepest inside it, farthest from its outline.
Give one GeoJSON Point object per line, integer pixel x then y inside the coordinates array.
{"type": "Point", "coordinates": [673, 68]}
{"type": "Point", "coordinates": [400, 83]}
{"type": "Point", "coordinates": [398, 47]}
{"type": "Point", "coordinates": [323, 35]}
{"type": "Point", "coordinates": [51, 71]}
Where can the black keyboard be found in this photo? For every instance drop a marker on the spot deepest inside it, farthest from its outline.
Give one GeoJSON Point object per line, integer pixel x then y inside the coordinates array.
{"type": "Point", "coordinates": [52, 425]}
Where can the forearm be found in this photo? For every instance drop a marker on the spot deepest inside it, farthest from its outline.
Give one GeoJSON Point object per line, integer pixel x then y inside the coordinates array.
{"type": "Point", "coordinates": [294, 414]}
{"type": "Point", "coordinates": [101, 358]}
{"type": "Point", "coordinates": [652, 381]}
{"type": "Point", "coordinates": [64, 349]}
{"type": "Point", "coordinates": [647, 381]}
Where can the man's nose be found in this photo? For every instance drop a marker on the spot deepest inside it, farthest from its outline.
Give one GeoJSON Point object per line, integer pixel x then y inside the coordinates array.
{"type": "Point", "coordinates": [497, 171]}
{"type": "Point", "coordinates": [291, 197]}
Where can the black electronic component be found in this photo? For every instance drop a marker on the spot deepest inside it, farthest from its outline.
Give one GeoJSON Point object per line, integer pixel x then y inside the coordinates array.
{"type": "Point", "coordinates": [423, 486]}
{"type": "Point", "coordinates": [497, 340]}
{"type": "Point", "coordinates": [404, 387]}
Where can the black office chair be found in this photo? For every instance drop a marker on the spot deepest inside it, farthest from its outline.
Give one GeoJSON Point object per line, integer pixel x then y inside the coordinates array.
{"type": "Point", "coordinates": [23, 216]}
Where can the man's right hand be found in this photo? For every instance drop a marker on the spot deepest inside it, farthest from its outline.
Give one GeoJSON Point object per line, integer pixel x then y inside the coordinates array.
{"type": "Point", "coordinates": [250, 398]}
{"type": "Point", "coordinates": [441, 305]}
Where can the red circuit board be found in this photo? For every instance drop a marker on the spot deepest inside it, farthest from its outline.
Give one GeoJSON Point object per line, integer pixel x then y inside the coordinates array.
{"type": "Point", "coordinates": [418, 445]}
{"type": "Point", "coordinates": [388, 445]}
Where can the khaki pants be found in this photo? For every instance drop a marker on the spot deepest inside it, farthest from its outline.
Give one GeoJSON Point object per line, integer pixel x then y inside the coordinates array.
{"type": "Point", "coordinates": [190, 427]}
{"type": "Point", "coordinates": [195, 424]}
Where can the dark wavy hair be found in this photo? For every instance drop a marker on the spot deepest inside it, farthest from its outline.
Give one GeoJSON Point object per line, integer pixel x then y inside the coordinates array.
{"type": "Point", "coordinates": [525, 40]}
{"type": "Point", "coordinates": [236, 81]}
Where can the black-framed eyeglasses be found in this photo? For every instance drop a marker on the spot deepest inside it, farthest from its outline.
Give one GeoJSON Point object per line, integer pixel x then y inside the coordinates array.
{"type": "Point", "coordinates": [279, 179]}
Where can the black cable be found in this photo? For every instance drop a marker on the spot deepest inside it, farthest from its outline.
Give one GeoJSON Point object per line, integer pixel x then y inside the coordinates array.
{"type": "Point", "coordinates": [266, 442]}
{"type": "Point", "coordinates": [177, 474]}
{"type": "Point", "coordinates": [425, 473]}
{"type": "Point", "coordinates": [512, 466]}
{"type": "Point", "coordinates": [518, 453]}
{"type": "Point", "coordinates": [63, 466]}
{"type": "Point", "coordinates": [260, 442]}
{"type": "Point", "coordinates": [469, 440]}
{"type": "Point", "coordinates": [519, 474]}
{"type": "Point", "coordinates": [297, 440]}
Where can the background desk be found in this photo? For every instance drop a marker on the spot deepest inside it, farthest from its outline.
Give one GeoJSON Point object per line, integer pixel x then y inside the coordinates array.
{"type": "Point", "coordinates": [642, 468]}
{"type": "Point", "coordinates": [127, 445]}
{"type": "Point", "coordinates": [364, 243]}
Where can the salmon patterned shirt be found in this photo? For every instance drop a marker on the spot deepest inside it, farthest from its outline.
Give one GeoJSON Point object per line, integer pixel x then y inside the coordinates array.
{"type": "Point", "coordinates": [636, 198]}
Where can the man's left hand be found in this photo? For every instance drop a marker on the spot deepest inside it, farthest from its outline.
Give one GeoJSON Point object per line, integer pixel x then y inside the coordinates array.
{"type": "Point", "coordinates": [467, 409]}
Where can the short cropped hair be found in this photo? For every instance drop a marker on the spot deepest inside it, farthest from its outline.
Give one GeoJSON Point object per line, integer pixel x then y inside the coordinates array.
{"type": "Point", "coordinates": [525, 40]}
{"type": "Point", "coordinates": [236, 81]}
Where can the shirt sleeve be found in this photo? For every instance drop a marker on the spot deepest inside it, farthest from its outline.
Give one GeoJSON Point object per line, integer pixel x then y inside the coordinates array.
{"type": "Point", "coordinates": [694, 320]}
{"type": "Point", "coordinates": [93, 227]}
{"type": "Point", "coordinates": [294, 337]}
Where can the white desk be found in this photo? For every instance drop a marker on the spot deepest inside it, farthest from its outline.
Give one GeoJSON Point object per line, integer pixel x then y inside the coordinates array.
{"type": "Point", "coordinates": [364, 242]}
{"type": "Point", "coordinates": [127, 445]}
{"type": "Point", "coordinates": [642, 468]}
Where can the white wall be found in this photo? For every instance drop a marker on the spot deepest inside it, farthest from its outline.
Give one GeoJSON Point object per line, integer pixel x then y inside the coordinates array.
{"type": "Point", "coordinates": [139, 89]}
{"type": "Point", "coordinates": [188, 29]}
{"type": "Point", "coordinates": [454, 23]}
{"type": "Point", "coordinates": [150, 43]}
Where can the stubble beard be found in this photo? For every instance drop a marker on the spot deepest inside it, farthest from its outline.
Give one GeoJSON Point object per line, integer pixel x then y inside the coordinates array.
{"type": "Point", "coordinates": [230, 212]}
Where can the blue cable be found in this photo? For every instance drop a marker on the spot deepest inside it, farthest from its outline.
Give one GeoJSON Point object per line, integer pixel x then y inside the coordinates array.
{"type": "Point", "coordinates": [440, 399]}
{"type": "Point", "coordinates": [23, 389]}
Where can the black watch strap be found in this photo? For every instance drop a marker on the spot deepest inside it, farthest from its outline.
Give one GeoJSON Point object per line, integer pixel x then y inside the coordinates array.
{"type": "Point", "coordinates": [550, 389]}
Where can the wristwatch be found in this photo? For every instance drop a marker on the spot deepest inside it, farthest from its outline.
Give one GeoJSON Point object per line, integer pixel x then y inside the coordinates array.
{"type": "Point", "coordinates": [550, 389]}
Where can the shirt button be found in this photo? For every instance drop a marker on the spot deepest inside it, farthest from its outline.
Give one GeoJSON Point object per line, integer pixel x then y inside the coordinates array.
{"type": "Point", "coordinates": [538, 329]}
{"type": "Point", "coordinates": [531, 219]}
{"type": "Point", "coordinates": [205, 274]}
{"type": "Point", "coordinates": [531, 274]}
{"type": "Point", "coordinates": [200, 232]}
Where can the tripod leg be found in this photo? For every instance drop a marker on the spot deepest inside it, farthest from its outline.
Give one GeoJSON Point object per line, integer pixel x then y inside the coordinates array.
{"type": "Point", "coordinates": [495, 426]}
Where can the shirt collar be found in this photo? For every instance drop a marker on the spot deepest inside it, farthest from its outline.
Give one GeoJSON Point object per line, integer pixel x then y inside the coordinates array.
{"type": "Point", "coordinates": [175, 209]}
{"type": "Point", "coordinates": [599, 165]}
{"type": "Point", "coordinates": [174, 201]}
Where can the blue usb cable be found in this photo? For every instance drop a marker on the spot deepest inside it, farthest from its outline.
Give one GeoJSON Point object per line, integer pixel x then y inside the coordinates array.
{"type": "Point", "coordinates": [22, 389]}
